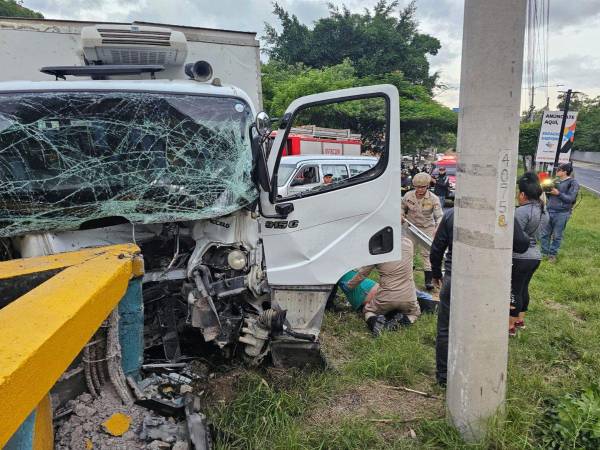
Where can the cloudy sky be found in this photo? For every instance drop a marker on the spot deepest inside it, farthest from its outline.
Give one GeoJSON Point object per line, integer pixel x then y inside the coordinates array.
{"type": "Point", "coordinates": [574, 53]}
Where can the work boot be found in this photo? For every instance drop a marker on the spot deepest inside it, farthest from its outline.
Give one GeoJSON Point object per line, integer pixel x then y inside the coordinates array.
{"type": "Point", "coordinates": [426, 302]}
{"type": "Point", "coordinates": [397, 321]}
{"type": "Point", "coordinates": [376, 324]}
{"type": "Point", "coordinates": [428, 280]}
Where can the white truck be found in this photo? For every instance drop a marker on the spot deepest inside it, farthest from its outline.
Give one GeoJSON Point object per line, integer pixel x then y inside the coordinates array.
{"type": "Point", "coordinates": [150, 134]}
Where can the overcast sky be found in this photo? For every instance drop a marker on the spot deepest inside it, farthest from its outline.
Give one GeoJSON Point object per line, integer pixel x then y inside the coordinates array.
{"type": "Point", "coordinates": [574, 49]}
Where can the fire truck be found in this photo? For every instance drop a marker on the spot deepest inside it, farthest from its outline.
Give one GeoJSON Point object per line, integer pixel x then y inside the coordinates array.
{"type": "Point", "coordinates": [313, 140]}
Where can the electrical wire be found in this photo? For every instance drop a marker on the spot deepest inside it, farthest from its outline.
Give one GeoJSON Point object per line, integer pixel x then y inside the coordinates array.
{"type": "Point", "coordinates": [537, 44]}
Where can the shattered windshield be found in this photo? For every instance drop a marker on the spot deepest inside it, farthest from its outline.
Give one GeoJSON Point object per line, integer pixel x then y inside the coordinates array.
{"type": "Point", "coordinates": [70, 157]}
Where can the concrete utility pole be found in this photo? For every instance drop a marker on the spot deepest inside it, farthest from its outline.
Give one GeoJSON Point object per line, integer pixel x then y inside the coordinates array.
{"type": "Point", "coordinates": [488, 130]}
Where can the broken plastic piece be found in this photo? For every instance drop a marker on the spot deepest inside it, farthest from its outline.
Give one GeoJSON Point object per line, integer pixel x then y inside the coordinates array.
{"type": "Point", "coordinates": [117, 424]}
{"type": "Point", "coordinates": [163, 407]}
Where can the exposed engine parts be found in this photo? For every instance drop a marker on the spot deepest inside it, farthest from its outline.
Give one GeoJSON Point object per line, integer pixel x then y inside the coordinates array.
{"type": "Point", "coordinates": [254, 336]}
{"type": "Point", "coordinates": [205, 290]}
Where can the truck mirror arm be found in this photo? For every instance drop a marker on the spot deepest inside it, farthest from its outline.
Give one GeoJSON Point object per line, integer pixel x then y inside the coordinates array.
{"type": "Point", "coordinates": [260, 172]}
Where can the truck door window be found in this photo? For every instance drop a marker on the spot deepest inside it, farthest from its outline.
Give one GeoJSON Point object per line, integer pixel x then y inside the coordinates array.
{"type": "Point", "coordinates": [356, 169]}
{"type": "Point", "coordinates": [285, 171]}
{"type": "Point", "coordinates": [361, 121]}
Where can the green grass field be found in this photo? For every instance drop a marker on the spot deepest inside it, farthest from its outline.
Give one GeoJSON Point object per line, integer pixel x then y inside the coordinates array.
{"type": "Point", "coordinates": [356, 404]}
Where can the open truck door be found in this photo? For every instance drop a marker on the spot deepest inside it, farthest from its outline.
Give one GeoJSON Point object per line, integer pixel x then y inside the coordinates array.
{"type": "Point", "coordinates": [311, 238]}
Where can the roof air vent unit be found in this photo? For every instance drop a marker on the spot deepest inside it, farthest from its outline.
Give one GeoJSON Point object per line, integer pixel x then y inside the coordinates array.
{"type": "Point", "coordinates": [133, 44]}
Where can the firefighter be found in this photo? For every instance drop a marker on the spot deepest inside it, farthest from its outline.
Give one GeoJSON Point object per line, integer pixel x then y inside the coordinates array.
{"type": "Point", "coordinates": [422, 208]}
{"type": "Point", "coordinates": [395, 294]}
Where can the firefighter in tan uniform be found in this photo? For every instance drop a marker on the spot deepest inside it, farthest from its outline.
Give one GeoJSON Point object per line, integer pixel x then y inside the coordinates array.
{"type": "Point", "coordinates": [396, 292]}
{"type": "Point", "coordinates": [422, 208]}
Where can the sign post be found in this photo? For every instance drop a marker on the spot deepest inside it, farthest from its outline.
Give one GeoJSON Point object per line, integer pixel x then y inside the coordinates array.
{"type": "Point", "coordinates": [559, 146]}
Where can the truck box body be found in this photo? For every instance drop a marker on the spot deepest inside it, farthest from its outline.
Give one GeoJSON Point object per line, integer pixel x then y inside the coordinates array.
{"type": "Point", "coordinates": [29, 44]}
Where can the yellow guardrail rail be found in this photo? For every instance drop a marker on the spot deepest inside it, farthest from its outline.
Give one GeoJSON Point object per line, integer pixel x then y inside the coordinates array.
{"type": "Point", "coordinates": [43, 331]}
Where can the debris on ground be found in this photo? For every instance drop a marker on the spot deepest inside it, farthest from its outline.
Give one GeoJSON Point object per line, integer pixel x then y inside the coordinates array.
{"type": "Point", "coordinates": [83, 429]}
{"type": "Point", "coordinates": [117, 424]}
{"type": "Point", "coordinates": [164, 416]}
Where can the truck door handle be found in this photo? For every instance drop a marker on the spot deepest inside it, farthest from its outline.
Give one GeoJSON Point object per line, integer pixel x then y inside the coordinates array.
{"type": "Point", "coordinates": [382, 241]}
{"type": "Point", "coordinates": [284, 209]}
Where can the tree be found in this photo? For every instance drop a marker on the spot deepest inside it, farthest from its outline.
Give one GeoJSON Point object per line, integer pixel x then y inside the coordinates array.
{"type": "Point", "coordinates": [10, 8]}
{"type": "Point", "coordinates": [587, 134]}
{"type": "Point", "coordinates": [575, 103]}
{"type": "Point", "coordinates": [529, 133]}
{"type": "Point", "coordinates": [375, 42]}
{"type": "Point", "coordinates": [423, 121]}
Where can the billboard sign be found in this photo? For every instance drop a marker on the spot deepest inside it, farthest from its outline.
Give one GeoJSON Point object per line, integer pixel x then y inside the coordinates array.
{"type": "Point", "coordinates": [549, 133]}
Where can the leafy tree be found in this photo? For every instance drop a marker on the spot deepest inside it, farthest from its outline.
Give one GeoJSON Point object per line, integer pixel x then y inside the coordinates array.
{"type": "Point", "coordinates": [11, 8]}
{"type": "Point", "coordinates": [575, 103]}
{"type": "Point", "coordinates": [587, 135]}
{"type": "Point", "coordinates": [529, 133]}
{"type": "Point", "coordinates": [376, 42]}
{"type": "Point", "coordinates": [423, 121]}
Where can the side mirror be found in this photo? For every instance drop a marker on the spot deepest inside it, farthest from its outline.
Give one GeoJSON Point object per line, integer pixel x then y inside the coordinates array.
{"type": "Point", "coordinates": [260, 173]}
{"type": "Point", "coordinates": [263, 124]}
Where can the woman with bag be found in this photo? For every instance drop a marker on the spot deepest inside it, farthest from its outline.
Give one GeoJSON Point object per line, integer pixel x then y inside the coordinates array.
{"type": "Point", "coordinates": [533, 218]}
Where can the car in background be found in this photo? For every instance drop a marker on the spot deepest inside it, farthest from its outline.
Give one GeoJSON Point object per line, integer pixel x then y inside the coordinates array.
{"type": "Point", "coordinates": [450, 164]}
{"type": "Point", "coordinates": [305, 172]}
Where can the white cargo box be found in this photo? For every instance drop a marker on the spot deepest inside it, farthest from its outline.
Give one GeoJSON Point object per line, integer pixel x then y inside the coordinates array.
{"type": "Point", "coordinates": [29, 44]}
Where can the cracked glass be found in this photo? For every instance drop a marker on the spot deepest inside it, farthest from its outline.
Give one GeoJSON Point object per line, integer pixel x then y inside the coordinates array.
{"type": "Point", "coordinates": [68, 158]}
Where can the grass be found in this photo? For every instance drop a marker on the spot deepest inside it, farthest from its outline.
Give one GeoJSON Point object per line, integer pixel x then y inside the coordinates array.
{"type": "Point", "coordinates": [354, 405]}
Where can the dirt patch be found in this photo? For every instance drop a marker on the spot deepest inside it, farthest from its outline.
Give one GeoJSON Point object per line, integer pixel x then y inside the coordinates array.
{"type": "Point", "coordinates": [555, 306]}
{"type": "Point", "coordinates": [375, 401]}
{"type": "Point", "coordinates": [220, 388]}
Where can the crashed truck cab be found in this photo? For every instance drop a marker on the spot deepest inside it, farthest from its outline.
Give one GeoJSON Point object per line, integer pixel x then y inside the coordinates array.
{"type": "Point", "coordinates": [183, 168]}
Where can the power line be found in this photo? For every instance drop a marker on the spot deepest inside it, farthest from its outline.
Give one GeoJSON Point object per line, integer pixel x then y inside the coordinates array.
{"type": "Point", "coordinates": [537, 38]}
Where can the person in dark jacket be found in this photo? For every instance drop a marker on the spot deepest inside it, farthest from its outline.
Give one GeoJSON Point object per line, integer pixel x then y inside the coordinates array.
{"type": "Point", "coordinates": [442, 185]}
{"type": "Point", "coordinates": [442, 242]}
{"type": "Point", "coordinates": [560, 206]}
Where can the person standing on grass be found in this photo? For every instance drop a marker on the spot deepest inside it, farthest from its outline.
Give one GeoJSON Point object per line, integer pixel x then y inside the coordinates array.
{"type": "Point", "coordinates": [442, 185]}
{"type": "Point", "coordinates": [422, 208]}
{"type": "Point", "coordinates": [560, 206]}
{"type": "Point", "coordinates": [442, 244]}
{"type": "Point", "coordinates": [533, 218]}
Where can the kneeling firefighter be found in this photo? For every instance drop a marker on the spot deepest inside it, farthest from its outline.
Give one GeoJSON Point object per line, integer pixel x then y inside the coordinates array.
{"type": "Point", "coordinates": [394, 296]}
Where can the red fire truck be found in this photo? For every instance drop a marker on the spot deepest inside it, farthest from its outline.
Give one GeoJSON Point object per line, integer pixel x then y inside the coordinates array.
{"type": "Point", "coordinates": [311, 140]}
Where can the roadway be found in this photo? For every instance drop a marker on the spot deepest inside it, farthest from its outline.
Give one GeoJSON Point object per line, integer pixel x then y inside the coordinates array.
{"type": "Point", "coordinates": [588, 175]}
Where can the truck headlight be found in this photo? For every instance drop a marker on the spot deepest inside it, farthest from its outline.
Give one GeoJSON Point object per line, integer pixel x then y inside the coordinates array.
{"type": "Point", "coordinates": [236, 259]}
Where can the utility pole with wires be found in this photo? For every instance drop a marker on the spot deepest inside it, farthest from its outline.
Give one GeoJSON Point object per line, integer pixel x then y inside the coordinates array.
{"type": "Point", "coordinates": [531, 111]}
{"type": "Point", "coordinates": [488, 137]}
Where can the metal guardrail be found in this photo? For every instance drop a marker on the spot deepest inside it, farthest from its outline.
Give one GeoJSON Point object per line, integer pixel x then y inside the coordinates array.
{"type": "Point", "coordinates": [45, 329]}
